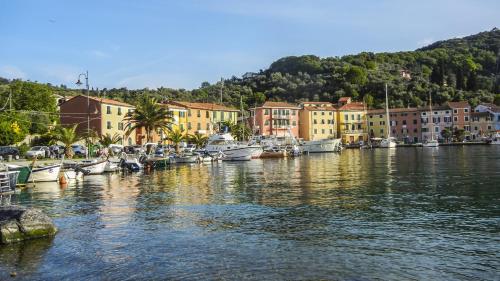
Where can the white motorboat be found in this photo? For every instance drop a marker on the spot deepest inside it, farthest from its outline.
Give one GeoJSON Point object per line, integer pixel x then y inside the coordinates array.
{"type": "Point", "coordinates": [190, 158]}
{"type": "Point", "coordinates": [112, 166]}
{"type": "Point", "coordinates": [431, 143]}
{"type": "Point", "coordinates": [387, 143]}
{"type": "Point", "coordinates": [45, 173]}
{"type": "Point", "coordinates": [495, 139]}
{"type": "Point", "coordinates": [318, 146]}
{"type": "Point", "coordinates": [130, 162]}
{"type": "Point", "coordinates": [93, 167]}
{"type": "Point", "coordinates": [231, 150]}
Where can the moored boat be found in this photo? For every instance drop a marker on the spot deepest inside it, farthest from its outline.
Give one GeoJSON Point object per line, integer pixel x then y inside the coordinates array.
{"type": "Point", "coordinates": [93, 167]}
{"type": "Point", "coordinates": [44, 173]}
{"type": "Point", "coordinates": [495, 139]}
{"type": "Point", "coordinates": [232, 151]}
{"type": "Point", "coordinates": [318, 146]}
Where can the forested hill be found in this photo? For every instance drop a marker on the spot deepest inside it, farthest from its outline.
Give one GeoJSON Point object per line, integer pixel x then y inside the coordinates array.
{"type": "Point", "coordinates": [452, 70]}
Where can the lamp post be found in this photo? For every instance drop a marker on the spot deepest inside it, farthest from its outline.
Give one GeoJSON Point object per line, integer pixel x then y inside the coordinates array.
{"type": "Point", "coordinates": [86, 75]}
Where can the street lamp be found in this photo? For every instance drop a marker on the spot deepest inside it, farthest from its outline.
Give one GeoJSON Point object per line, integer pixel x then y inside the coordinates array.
{"type": "Point", "coordinates": [86, 75]}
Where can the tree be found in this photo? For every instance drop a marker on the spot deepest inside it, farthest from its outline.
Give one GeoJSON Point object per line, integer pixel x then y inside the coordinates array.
{"type": "Point", "coordinates": [13, 128]}
{"type": "Point", "coordinates": [149, 115]}
{"type": "Point", "coordinates": [106, 140]}
{"type": "Point", "coordinates": [459, 134]}
{"type": "Point", "coordinates": [67, 136]}
{"type": "Point", "coordinates": [446, 134]}
{"type": "Point", "coordinates": [176, 136]}
{"type": "Point", "coordinates": [198, 139]}
{"type": "Point", "coordinates": [496, 100]}
{"type": "Point", "coordinates": [368, 100]}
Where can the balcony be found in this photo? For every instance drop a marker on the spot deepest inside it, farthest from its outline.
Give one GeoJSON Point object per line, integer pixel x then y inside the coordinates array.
{"type": "Point", "coordinates": [281, 116]}
{"type": "Point", "coordinates": [353, 132]}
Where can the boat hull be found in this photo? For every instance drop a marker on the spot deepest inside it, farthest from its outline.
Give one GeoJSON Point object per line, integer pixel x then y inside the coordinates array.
{"type": "Point", "coordinates": [385, 143]}
{"type": "Point", "coordinates": [94, 168]}
{"type": "Point", "coordinates": [48, 173]}
{"type": "Point", "coordinates": [320, 146]}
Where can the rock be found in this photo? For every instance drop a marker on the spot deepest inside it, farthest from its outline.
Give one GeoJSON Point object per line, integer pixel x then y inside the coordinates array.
{"type": "Point", "coordinates": [20, 223]}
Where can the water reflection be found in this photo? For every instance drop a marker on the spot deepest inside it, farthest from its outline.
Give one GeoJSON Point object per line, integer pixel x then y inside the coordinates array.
{"type": "Point", "coordinates": [363, 214]}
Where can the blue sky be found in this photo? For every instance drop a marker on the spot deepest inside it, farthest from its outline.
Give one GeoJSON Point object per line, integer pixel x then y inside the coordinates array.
{"type": "Point", "coordinates": [180, 44]}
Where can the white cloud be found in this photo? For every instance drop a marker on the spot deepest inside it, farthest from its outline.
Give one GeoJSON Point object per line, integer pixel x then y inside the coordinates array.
{"type": "Point", "coordinates": [12, 72]}
{"type": "Point", "coordinates": [99, 54]}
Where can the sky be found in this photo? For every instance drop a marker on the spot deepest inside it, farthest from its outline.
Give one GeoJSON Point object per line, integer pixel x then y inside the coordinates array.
{"type": "Point", "coordinates": [180, 44]}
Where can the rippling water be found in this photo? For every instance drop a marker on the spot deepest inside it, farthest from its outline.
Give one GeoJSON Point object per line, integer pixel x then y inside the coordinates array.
{"type": "Point", "coordinates": [410, 213]}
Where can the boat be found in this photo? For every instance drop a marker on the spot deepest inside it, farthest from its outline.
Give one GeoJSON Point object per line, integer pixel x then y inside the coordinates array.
{"type": "Point", "coordinates": [93, 166]}
{"type": "Point", "coordinates": [432, 142]}
{"type": "Point", "coordinates": [112, 166]}
{"type": "Point", "coordinates": [71, 174]}
{"type": "Point", "coordinates": [130, 162]}
{"type": "Point", "coordinates": [184, 158]}
{"type": "Point", "coordinates": [495, 139]}
{"type": "Point", "coordinates": [232, 151]}
{"type": "Point", "coordinates": [324, 145]}
{"type": "Point", "coordinates": [45, 173]}
{"type": "Point", "coordinates": [388, 142]}
{"type": "Point", "coordinates": [274, 154]}
{"type": "Point", "coordinates": [8, 179]}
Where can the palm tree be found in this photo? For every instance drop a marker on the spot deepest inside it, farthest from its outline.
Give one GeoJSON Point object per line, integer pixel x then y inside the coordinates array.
{"type": "Point", "coordinates": [149, 115]}
{"type": "Point", "coordinates": [67, 136]}
{"type": "Point", "coordinates": [176, 137]}
{"type": "Point", "coordinates": [107, 140]}
{"type": "Point", "coordinates": [198, 139]}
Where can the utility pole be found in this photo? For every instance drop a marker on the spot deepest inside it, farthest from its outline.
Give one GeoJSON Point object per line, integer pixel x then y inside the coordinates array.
{"type": "Point", "coordinates": [221, 86]}
{"type": "Point", "coordinates": [86, 75]}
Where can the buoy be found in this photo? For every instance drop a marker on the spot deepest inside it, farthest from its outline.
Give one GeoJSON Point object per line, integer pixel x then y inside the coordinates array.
{"type": "Point", "coordinates": [62, 180]}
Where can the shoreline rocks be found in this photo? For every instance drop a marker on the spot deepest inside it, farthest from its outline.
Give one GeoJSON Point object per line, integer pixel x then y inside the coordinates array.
{"type": "Point", "coordinates": [20, 223]}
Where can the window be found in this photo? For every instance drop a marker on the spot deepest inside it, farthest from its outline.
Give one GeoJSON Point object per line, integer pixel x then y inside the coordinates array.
{"type": "Point", "coordinates": [266, 111]}
{"type": "Point", "coordinates": [404, 122]}
{"type": "Point", "coordinates": [414, 121]}
{"type": "Point", "coordinates": [198, 127]}
{"type": "Point", "coordinates": [189, 125]}
{"type": "Point", "coordinates": [222, 116]}
{"type": "Point", "coordinates": [120, 126]}
{"type": "Point", "coordinates": [275, 112]}
{"type": "Point", "coordinates": [208, 126]}
{"type": "Point", "coordinates": [315, 122]}
{"type": "Point", "coordinates": [455, 118]}
{"type": "Point", "coordinates": [199, 113]}
{"type": "Point", "coordinates": [415, 130]}
{"type": "Point", "coordinates": [359, 117]}
{"type": "Point", "coordinates": [108, 109]}
{"type": "Point", "coordinates": [294, 123]}
{"type": "Point", "coordinates": [108, 125]}
{"type": "Point", "coordinates": [466, 110]}
{"type": "Point", "coordinates": [182, 127]}
{"type": "Point", "coordinates": [315, 113]}
{"type": "Point", "coordinates": [330, 113]}
{"type": "Point", "coordinates": [467, 128]}
{"type": "Point", "coordinates": [322, 121]}
{"type": "Point", "coordinates": [322, 113]}
{"type": "Point", "coordinates": [346, 117]}
{"type": "Point", "coordinates": [189, 112]}
{"type": "Point", "coordinates": [359, 126]}
{"type": "Point", "coordinates": [466, 118]}
{"type": "Point", "coordinates": [371, 123]}
{"type": "Point", "coordinates": [207, 114]}
{"type": "Point", "coordinates": [436, 129]}
{"type": "Point", "coordinates": [352, 116]}
{"type": "Point", "coordinates": [119, 111]}
{"type": "Point", "coordinates": [293, 112]}
{"type": "Point", "coordinates": [381, 131]}
{"type": "Point", "coordinates": [323, 131]}
{"type": "Point", "coordinates": [315, 131]}
{"type": "Point", "coordinates": [455, 111]}
{"type": "Point", "coordinates": [182, 114]}
{"type": "Point", "coordinates": [266, 123]}
{"type": "Point", "coordinates": [380, 116]}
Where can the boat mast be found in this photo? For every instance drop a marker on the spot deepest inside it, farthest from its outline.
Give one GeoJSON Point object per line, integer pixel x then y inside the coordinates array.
{"type": "Point", "coordinates": [431, 121]}
{"type": "Point", "coordinates": [387, 113]}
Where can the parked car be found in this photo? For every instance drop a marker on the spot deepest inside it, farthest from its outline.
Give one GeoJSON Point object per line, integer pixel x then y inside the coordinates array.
{"type": "Point", "coordinates": [38, 152]}
{"type": "Point", "coordinates": [79, 150]}
{"type": "Point", "coordinates": [5, 151]}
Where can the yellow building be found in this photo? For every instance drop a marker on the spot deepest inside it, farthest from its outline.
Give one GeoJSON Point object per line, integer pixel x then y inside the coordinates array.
{"type": "Point", "coordinates": [317, 120]}
{"type": "Point", "coordinates": [351, 123]}
{"type": "Point", "coordinates": [204, 118]}
{"type": "Point", "coordinates": [377, 127]}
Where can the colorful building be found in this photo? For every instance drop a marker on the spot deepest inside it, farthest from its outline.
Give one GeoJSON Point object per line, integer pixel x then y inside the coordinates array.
{"type": "Point", "coordinates": [481, 125]}
{"type": "Point", "coordinates": [494, 111]}
{"type": "Point", "coordinates": [461, 115]}
{"type": "Point", "coordinates": [351, 123]}
{"type": "Point", "coordinates": [105, 115]}
{"type": "Point", "coordinates": [275, 118]}
{"type": "Point", "coordinates": [441, 120]}
{"type": "Point", "coordinates": [204, 118]}
{"type": "Point", "coordinates": [405, 124]}
{"type": "Point", "coordinates": [317, 120]}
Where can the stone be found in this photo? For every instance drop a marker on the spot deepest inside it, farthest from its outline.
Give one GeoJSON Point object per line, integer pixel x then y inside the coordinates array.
{"type": "Point", "coordinates": [19, 223]}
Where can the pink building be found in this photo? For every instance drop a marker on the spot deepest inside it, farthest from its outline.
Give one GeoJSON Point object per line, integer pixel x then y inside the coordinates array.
{"type": "Point", "coordinates": [275, 118]}
{"type": "Point", "coordinates": [405, 124]}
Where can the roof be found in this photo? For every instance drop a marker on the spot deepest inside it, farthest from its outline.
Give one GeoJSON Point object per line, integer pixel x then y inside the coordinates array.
{"type": "Point", "coordinates": [344, 99]}
{"type": "Point", "coordinates": [173, 106]}
{"type": "Point", "coordinates": [491, 106]}
{"type": "Point", "coordinates": [459, 104]}
{"type": "Point", "coordinates": [323, 108]}
{"type": "Point", "coordinates": [274, 104]}
{"type": "Point", "coordinates": [393, 110]}
{"type": "Point", "coordinates": [316, 102]}
{"type": "Point", "coordinates": [480, 114]}
{"type": "Point", "coordinates": [201, 105]}
{"type": "Point", "coordinates": [354, 106]}
{"type": "Point", "coordinates": [103, 100]}
{"type": "Point", "coordinates": [434, 107]}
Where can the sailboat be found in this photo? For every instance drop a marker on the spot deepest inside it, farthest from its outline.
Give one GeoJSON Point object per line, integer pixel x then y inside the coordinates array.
{"type": "Point", "coordinates": [432, 142]}
{"type": "Point", "coordinates": [389, 141]}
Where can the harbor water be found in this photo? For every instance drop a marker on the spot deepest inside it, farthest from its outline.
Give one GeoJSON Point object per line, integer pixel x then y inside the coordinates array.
{"type": "Point", "coordinates": [399, 214]}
